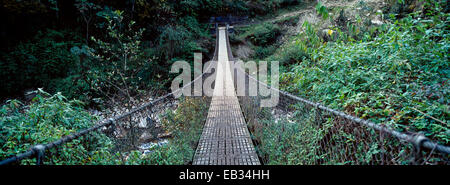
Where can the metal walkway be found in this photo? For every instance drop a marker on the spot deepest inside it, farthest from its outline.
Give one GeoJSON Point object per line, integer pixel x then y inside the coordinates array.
{"type": "Point", "coordinates": [225, 139]}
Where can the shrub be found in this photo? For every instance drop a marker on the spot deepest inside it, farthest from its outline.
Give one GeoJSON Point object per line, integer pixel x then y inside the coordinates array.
{"type": "Point", "coordinates": [118, 56]}
{"type": "Point", "coordinates": [186, 124]}
{"type": "Point", "coordinates": [40, 62]}
{"type": "Point", "coordinates": [47, 119]}
{"type": "Point", "coordinates": [263, 35]}
{"type": "Point", "coordinates": [262, 52]}
{"type": "Point", "coordinates": [289, 55]}
{"type": "Point", "coordinates": [390, 77]}
{"type": "Point", "coordinates": [298, 48]}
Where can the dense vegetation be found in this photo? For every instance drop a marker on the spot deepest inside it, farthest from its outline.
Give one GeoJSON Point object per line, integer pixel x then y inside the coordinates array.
{"type": "Point", "coordinates": [47, 119]}
{"type": "Point", "coordinates": [67, 51]}
{"type": "Point", "coordinates": [88, 54]}
{"type": "Point", "coordinates": [395, 73]}
{"type": "Point", "coordinates": [76, 62]}
{"type": "Point", "coordinates": [51, 117]}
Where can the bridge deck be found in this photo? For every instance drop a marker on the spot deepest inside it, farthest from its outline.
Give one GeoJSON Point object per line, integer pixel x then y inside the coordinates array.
{"type": "Point", "coordinates": [225, 139]}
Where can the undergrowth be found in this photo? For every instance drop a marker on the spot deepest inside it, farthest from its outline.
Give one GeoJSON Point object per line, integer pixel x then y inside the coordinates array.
{"type": "Point", "coordinates": [396, 74]}
{"type": "Point", "coordinates": [50, 117]}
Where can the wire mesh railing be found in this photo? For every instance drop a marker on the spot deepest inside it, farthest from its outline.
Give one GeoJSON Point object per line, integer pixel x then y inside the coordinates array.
{"type": "Point", "coordinates": [320, 135]}
{"type": "Point", "coordinates": [325, 136]}
{"type": "Point", "coordinates": [125, 131]}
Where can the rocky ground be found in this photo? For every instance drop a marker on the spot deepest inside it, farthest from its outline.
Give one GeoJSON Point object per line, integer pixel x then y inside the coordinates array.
{"type": "Point", "coordinates": [144, 127]}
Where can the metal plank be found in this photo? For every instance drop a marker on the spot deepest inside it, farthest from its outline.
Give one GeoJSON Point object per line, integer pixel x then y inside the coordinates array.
{"type": "Point", "coordinates": [225, 138]}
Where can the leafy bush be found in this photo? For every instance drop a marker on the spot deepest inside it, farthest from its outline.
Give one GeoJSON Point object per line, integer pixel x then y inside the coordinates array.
{"type": "Point", "coordinates": [262, 52]}
{"type": "Point", "coordinates": [119, 56]}
{"type": "Point", "coordinates": [40, 62]}
{"type": "Point", "coordinates": [170, 154]}
{"type": "Point", "coordinates": [322, 10]}
{"type": "Point", "coordinates": [47, 119]}
{"type": "Point", "coordinates": [51, 117]}
{"type": "Point", "coordinates": [298, 48]}
{"type": "Point", "coordinates": [398, 75]}
{"type": "Point", "coordinates": [288, 55]}
{"type": "Point", "coordinates": [395, 74]}
{"type": "Point", "coordinates": [264, 34]}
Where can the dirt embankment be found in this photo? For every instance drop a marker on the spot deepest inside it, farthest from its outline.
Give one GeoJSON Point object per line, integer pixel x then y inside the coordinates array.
{"type": "Point", "coordinates": [340, 13]}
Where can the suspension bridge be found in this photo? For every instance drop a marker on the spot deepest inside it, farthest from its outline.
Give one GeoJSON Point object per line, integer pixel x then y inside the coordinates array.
{"type": "Point", "coordinates": [225, 139]}
{"type": "Point", "coordinates": [328, 136]}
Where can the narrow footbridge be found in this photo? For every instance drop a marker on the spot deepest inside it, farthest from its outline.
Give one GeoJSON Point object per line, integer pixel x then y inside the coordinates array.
{"type": "Point", "coordinates": [225, 139]}
{"type": "Point", "coordinates": [328, 136]}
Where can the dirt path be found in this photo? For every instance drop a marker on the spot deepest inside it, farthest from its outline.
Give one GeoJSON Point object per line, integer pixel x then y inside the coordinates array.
{"type": "Point", "coordinates": [291, 14]}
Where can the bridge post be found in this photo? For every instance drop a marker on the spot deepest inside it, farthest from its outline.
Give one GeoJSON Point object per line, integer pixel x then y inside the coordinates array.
{"type": "Point", "coordinates": [417, 142]}
{"type": "Point", "coordinates": [318, 115]}
{"type": "Point", "coordinates": [39, 151]}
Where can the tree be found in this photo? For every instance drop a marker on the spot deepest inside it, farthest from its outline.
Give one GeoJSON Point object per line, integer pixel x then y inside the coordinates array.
{"type": "Point", "coordinates": [87, 11]}
{"type": "Point", "coordinates": [119, 56]}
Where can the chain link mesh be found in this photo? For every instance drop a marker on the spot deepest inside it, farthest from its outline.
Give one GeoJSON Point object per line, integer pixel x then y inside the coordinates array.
{"type": "Point", "coordinates": [325, 136]}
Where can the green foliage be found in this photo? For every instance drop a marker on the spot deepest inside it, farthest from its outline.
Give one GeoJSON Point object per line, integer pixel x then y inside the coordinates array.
{"type": "Point", "coordinates": [87, 10]}
{"type": "Point", "coordinates": [174, 41]}
{"type": "Point", "coordinates": [288, 20]}
{"type": "Point", "coordinates": [173, 32]}
{"type": "Point", "coordinates": [395, 74]}
{"type": "Point", "coordinates": [298, 48]}
{"type": "Point", "coordinates": [264, 51]}
{"type": "Point", "coordinates": [263, 35]}
{"type": "Point", "coordinates": [186, 124]}
{"type": "Point", "coordinates": [386, 76]}
{"type": "Point", "coordinates": [322, 10]}
{"type": "Point", "coordinates": [31, 7]}
{"type": "Point", "coordinates": [118, 61]}
{"type": "Point", "coordinates": [289, 55]}
{"type": "Point", "coordinates": [283, 141]}
{"type": "Point", "coordinates": [50, 117]}
{"type": "Point", "coordinates": [119, 56]}
{"type": "Point", "coordinates": [170, 154]}
{"type": "Point", "coordinates": [46, 119]}
{"type": "Point", "coordinates": [42, 62]}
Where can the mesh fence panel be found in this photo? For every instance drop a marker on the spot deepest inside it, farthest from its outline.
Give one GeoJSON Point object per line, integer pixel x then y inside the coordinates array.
{"type": "Point", "coordinates": [326, 136]}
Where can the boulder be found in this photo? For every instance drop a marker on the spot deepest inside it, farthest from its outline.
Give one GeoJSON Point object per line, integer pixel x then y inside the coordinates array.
{"type": "Point", "coordinates": [142, 123]}
{"type": "Point", "coordinates": [146, 137]}
{"type": "Point", "coordinates": [376, 22]}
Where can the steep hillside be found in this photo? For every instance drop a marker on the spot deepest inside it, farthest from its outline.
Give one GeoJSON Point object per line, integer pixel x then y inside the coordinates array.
{"type": "Point", "coordinates": [385, 61]}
